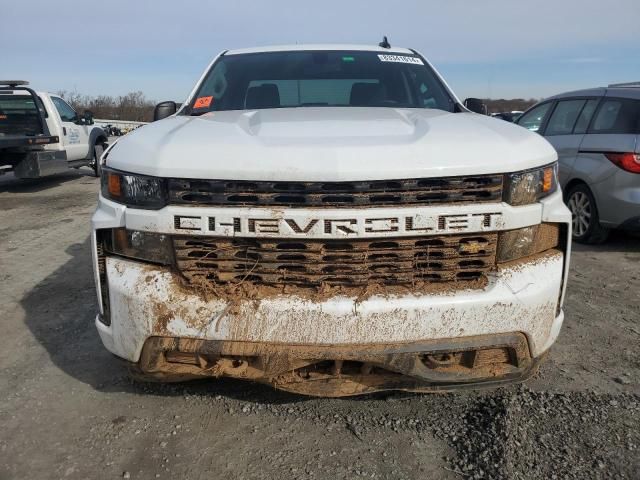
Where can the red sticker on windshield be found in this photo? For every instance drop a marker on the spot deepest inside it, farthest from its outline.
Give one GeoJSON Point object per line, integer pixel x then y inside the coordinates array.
{"type": "Point", "coordinates": [202, 102]}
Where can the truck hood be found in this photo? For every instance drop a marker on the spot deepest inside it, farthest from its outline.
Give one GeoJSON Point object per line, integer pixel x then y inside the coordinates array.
{"type": "Point", "coordinates": [329, 144]}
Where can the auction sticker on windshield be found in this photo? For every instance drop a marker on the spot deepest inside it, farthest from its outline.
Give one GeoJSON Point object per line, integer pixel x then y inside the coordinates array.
{"type": "Point", "coordinates": [202, 102]}
{"type": "Point", "coordinates": [400, 59]}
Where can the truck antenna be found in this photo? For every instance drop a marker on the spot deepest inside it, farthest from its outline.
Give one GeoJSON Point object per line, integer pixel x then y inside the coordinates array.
{"type": "Point", "coordinates": [385, 43]}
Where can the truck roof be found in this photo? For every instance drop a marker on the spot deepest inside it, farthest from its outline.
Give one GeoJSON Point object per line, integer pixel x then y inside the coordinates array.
{"type": "Point", "coordinates": [303, 47]}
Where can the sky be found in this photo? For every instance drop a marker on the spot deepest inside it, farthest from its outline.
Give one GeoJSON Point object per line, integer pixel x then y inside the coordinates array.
{"type": "Point", "coordinates": [483, 48]}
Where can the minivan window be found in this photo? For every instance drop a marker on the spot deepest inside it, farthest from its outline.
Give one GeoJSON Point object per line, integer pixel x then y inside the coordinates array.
{"type": "Point", "coordinates": [585, 116]}
{"type": "Point", "coordinates": [617, 115]}
{"type": "Point", "coordinates": [564, 117]}
{"type": "Point", "coordinates": [320, 79]}
{"type": "Point", "coordinates": [533, 119]}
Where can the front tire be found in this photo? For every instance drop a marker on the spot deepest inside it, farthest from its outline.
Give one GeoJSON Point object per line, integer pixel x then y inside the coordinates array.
{"type": "Point", "coordinates": [98, 149]}
{"type": "Point", "coordinates": [584, 212]}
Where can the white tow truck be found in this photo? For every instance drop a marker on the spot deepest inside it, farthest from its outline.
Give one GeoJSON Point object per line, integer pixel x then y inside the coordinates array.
{"type": "Point", "coordinates": [330, 220]}
{"type": "Point", "coordinates": [41, 134]}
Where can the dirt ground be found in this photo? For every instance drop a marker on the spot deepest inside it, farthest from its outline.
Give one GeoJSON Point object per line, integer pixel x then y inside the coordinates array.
{"type": "Point", "coordinates": [68, 409]}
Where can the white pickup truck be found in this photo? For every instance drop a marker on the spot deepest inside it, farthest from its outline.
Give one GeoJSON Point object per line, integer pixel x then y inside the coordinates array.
{"type": "Point", "coordinates": [330, 220]}
{"type": "Point", "coordinates": [41, 134]}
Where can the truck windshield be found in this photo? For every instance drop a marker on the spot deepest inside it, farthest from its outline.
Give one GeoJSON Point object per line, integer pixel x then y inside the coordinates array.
{"type": "Point", "coordinates": [320, 79]}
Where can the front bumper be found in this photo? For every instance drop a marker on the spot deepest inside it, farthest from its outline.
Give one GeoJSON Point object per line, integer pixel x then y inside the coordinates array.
{"type": "Point", "coordinates": [148, 301]}
{"type": "Point", "coordinates": [153, 317]}
{"type": "Point", "coordinates": [344, 370]}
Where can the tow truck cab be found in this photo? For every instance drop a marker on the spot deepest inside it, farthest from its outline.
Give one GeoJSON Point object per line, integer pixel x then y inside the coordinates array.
{"type": "Point", "coordinates": [41, 134]}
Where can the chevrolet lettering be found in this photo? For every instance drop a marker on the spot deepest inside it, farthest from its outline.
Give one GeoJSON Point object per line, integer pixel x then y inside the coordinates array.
{"type": "Point", "coordinates": [318, 226]}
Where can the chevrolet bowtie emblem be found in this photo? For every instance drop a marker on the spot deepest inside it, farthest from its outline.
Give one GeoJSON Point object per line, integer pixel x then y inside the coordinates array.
{"type": "Point", "coordinates": [472, 247]}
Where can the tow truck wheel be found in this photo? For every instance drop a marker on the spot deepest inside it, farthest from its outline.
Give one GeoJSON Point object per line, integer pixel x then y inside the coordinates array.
{"type": "Point", "coordinates": [98, 148]}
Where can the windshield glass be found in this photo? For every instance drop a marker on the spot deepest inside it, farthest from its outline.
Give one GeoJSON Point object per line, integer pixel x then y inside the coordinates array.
{"type": "Point", "coordinates": [319, 78]}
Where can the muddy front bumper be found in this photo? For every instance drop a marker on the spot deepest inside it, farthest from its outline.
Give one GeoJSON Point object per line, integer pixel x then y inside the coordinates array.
{"type": "Point", "coordinates": [344, 370]}
{"type": "Point", "coordinates": [339, 346]}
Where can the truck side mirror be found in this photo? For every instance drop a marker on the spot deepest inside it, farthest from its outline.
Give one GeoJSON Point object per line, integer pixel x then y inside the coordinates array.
{"type": "Point", "coordinates": [475, 105]}
{"type": "Point", "coordinates": [88, 117]}
{"type": "Point", "coordinates": [164, 110]}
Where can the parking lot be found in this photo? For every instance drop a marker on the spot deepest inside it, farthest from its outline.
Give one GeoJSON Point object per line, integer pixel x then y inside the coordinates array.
{"type": "Point", "coordinates": [69, 410]}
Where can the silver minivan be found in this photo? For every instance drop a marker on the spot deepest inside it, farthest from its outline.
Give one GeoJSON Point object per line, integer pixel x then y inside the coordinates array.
{"type": "Point", "coordinates": [596, 133]}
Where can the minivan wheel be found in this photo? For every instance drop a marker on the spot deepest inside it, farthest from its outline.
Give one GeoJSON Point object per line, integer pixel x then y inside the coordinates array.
{"type": "Point", "coordinates": [586, 222]}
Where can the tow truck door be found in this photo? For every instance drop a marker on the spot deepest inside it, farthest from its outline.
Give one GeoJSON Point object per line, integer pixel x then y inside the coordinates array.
{"type": "Point", "coordinates": [75, 137]}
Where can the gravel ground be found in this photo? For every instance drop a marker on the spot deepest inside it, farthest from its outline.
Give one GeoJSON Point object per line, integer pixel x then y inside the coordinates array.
{"type": "Point", "coordinates": [68, 409]}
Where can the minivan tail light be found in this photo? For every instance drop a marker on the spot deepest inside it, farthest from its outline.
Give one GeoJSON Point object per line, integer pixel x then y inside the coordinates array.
{"type": "Point", "coordinates": [626, 161]}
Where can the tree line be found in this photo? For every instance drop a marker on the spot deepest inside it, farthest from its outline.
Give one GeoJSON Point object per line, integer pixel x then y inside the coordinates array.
{"type": "Point", "coordinates": [133, 106]}
{"type": "Point", "coordinates": [508, 105]}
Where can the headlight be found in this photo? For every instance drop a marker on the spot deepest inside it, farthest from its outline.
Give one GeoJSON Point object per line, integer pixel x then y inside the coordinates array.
{"type": "Point", "coordinates": [134, 190]}
{"type": "Point", "coordinates": [146, 246]}
{"type": "Point", "coordinates": [522, 188]}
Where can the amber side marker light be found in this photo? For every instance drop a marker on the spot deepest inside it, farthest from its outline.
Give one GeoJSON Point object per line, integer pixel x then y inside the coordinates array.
{"type": "Point", "coordinates": [547, 180]}
{"type": "Point", "coordinates": [114, 184]}
{"type": "Point", "coordinates": [120, 240]}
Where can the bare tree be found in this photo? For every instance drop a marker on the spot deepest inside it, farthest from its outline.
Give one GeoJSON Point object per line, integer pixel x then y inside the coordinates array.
{"type": "Point", "coordinates": [508, 105]}
{"type": "Point", "coordinates": [133, 106]}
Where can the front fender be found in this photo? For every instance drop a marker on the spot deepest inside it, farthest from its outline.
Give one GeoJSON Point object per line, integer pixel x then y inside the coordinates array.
{"type": "Point", "coordinates": [94, 135]}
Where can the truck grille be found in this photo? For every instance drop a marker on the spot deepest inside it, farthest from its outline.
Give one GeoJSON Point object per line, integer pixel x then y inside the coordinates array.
{"type": "Point", "coordinates": [426, 191]}
{"type": "Point", "coordinates": [314, 263]}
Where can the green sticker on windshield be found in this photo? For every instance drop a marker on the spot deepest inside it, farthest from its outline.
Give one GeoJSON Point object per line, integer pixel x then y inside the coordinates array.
{"type": "Point", "coordinates": [348, 59]}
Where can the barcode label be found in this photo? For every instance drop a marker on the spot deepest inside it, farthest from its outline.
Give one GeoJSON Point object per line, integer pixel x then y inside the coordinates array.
{"type": "Point", "coordinates": [400, 59]}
